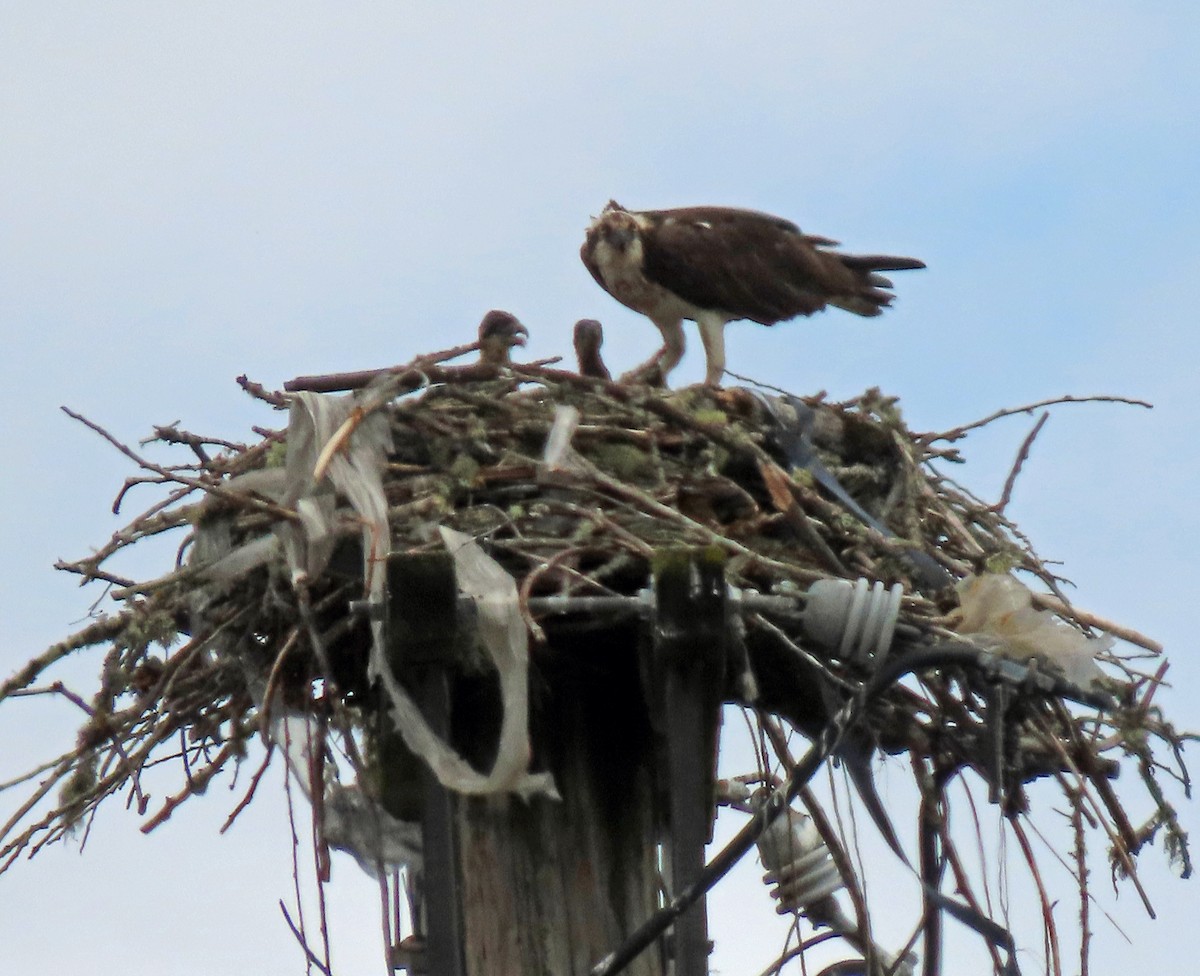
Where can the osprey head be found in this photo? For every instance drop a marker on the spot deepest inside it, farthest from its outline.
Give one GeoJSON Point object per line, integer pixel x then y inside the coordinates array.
{"type": "Point", "coordinates": [616, 228]}
{"type": "Point", "coordinates": [589, 336]}
{"type": "Point", "coordinates": [498, 333]}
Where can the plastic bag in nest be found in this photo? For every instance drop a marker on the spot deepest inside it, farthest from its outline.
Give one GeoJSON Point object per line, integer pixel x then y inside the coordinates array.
{"type": "Point", "coordinates": [997, 610]}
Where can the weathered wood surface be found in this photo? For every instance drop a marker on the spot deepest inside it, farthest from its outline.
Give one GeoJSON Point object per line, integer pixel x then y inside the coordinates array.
{"type": "Point", "coordinates": [690, 636]}
{"type": "Point", "coordinates": [552, 887]}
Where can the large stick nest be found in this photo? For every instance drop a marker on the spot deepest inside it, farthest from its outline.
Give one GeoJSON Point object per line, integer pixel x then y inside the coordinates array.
{"type": "Point", "coordinates": [649, 469]}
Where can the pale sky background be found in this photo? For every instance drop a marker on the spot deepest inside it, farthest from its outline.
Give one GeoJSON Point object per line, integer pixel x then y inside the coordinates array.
{"type": "Point", "coordinates": [193, 191]}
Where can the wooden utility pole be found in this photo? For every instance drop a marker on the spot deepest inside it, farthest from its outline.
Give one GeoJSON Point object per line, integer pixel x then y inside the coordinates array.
{"type": "Point", "coordinates": [624, 714]}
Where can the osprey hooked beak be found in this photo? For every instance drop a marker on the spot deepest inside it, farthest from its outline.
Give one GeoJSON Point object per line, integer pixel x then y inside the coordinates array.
{"type": "Point", "coordinates": [621, 236]}
{"type": "Point", "coordinates": [498, 333]}
{"type": "Point", "coordinates": [616, 227]}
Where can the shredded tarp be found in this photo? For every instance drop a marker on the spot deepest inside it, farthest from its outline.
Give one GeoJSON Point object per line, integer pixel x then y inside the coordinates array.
{"type": "Point", "coordinates": [348, 446]}
{"type": "Point", "coordinates": [355, 472]}
{"type": "Point", "coordinates": [997, 611]}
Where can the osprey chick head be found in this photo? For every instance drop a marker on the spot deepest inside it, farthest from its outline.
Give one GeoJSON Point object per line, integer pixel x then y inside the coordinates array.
{"type": "Point", "coordinates": [499, 332]}
{"type": "Point", "coordinates": [589, 337]}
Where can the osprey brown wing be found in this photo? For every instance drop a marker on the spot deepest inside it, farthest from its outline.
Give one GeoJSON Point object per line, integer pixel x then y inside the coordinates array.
{"type": "Point", "coordinates": [755, 266]}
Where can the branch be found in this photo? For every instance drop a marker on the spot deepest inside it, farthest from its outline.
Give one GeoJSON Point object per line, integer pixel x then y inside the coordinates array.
{"type": "Point", "coordinates": [102, 630]}
{"type": "Point", "coordinates": [1022, 457]}
{"type": "Point", "coordinates": [198, 484]}
{"type": "Point", "coordinates": [1047, 602]}
{"type": "Point", "coordinates": [340, 382]}
{"type": "Point", "coordinates": [959, 432]}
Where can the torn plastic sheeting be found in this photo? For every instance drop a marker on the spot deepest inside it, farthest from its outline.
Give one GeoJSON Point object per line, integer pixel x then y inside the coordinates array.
{"type": "Point", "coordinates": [557, 452]}
{"type": "Point", "coordinates": [503, 634]}
{"type": "Point", "coordinates": [218, 561]}
{"type": "Point", "coordinates": [355, 472]}
{"type": "Point", "coordinates": [238, 562]}
{"type": "Point", "coordinates": [352, 821]}
{"type": "Point", "coordinates": [998, 612]}
{"type": "Point", "coordinates": [379, 842]}
{"type": "Point", "coordinates": [505, 637]}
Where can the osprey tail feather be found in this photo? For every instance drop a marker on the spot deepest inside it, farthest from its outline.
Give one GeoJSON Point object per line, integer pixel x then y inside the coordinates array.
{"type": "Point", "coordinates": [869, 297]}
{"type": "Point", "coordinates": [880, 262]}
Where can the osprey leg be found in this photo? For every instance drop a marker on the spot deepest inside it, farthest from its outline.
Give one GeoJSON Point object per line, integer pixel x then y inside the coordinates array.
{"type": "Point", "coordinates": [669, 355]}
{"type": "Point", "coordinates": [655, 369]}
{"type": "Point", "coordinates": [712, 334]}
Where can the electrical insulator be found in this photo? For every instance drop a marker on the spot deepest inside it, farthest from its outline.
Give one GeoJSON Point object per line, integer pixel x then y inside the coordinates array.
{"type": "Point", "coordinates": [804, 878]}
{"type": "Point", "coordinates": [856, 620]}
{"type": "Point", "coordinates": [798, 863]}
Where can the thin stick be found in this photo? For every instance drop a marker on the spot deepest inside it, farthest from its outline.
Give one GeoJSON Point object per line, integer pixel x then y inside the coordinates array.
{"type": "Point", "coordinates": [1085, 931]}
{"type": "Point", "coordinates": [1051, 930]}
{"type": "Point", "coordinates": [250, 791]}
{"type": "Point", "coordinates": [342, 382]}
{"type": "Point", "coordinates": [1022, 457]}
{"type": "Point", "coordinates": [273, 678]}
{"type": "Point", "coordinates": [260, 392]}
{"type": "Point", "coordinates": [197, 784]}
{"type": "Point", "coordinates": [950, 853]}
{"type": "Point", "coordinates": [212, 488]}
{"type": "Point", "coordinates": [37, 770]}
{"type": "Point", "coordinates": [312, 956]}
{"type": "Point", "coordinates": [958, 432]}
{"type": "Point", "coordinates": [803, 947]}
{"type": "Point", "coordinates": [100, 631]}
{"type": "Point", "coordinates": [1121, 836]}
{"type": "Point", "coordinates": [1048, 602]}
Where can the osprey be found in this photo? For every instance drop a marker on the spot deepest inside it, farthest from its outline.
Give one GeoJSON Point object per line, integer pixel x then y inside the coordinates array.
{"type": "Point", "coordinates": [589, 337]}
{"type": "Point", "coordinates": [716, 264]}
{"type": "Point", "coordinates": [498, 333]}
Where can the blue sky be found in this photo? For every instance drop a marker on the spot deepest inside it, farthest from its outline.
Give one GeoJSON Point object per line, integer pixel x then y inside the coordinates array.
{"type": "Point", "coordinates": [193, 191]}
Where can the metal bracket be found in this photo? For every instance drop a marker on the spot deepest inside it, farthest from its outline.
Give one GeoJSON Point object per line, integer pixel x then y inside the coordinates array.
{"type": "Point", "coordinates": [999, 698]}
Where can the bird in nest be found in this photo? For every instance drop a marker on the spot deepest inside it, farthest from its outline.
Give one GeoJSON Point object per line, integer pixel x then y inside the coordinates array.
{"type": "Point", "coordinates": [714, 265]}
{"type": "Point", "coordinates": [589, 337]}
{"type": "Point", "coordinates": [499, 332]}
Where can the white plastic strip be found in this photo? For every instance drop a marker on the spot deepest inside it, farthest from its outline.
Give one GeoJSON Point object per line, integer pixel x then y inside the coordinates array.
{"type": "Point", "coordinates": [355, 472]}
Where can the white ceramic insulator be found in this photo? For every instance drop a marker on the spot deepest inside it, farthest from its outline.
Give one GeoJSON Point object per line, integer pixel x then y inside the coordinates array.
{"type": "Point", "coordinates": [798, 863]}
{"type": "Point", "coordinates": [855, 619]}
